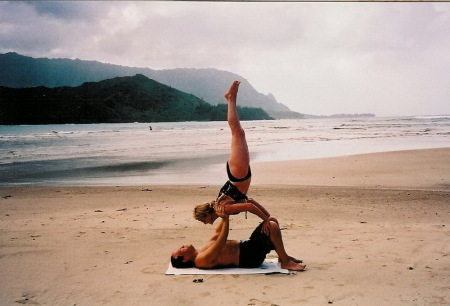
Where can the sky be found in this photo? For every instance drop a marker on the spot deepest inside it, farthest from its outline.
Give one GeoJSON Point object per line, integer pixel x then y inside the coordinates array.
{"type": "Point", "coordinates": [390, 59]}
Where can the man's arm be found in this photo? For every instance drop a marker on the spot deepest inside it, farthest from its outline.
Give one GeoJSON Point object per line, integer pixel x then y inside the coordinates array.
{"type": "Point", "coordinates": [217, 231]}
{"type": "Point", "coordinates": [206, 258]}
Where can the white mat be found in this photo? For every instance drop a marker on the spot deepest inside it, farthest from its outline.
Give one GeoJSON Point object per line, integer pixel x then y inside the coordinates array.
{"type": "Point", "coordinates": [269, 266]}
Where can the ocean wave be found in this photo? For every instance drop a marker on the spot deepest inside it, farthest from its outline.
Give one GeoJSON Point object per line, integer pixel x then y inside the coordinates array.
{"type": "Point", "coordinates": [127, 167]}
{"type": "Point", "coordinates": [430, 117]}
{"type": "Point", "coordinates": [134, 142]}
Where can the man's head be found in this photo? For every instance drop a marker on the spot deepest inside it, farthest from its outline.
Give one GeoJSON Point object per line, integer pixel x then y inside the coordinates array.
{"type": "Point", "coordinates": [205, 213]}
{"type": "Point", "coordinates": [184, 257]}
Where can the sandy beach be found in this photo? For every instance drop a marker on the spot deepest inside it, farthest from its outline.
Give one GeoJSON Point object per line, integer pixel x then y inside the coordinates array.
{"type": "Point", "coordinates": [373, 229]}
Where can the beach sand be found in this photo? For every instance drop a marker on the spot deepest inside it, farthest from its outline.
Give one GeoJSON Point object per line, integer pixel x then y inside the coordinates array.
{"type": "Point", "coordinates": [372, 229]}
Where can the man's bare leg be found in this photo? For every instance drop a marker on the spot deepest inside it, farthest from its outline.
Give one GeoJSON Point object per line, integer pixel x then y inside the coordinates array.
{"type": "Point", "coordinates": [239, 156]}
{"type": "Point", "coordinates": [286, 261]}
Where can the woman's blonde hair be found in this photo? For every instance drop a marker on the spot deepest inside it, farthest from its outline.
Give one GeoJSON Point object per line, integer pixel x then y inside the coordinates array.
{"type": "Point", "coordinates": [201, 210]}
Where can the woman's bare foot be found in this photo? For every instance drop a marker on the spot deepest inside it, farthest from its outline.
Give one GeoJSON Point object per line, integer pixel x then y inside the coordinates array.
{"type": "Point", "coordinates": [232, 92]}
{"type": "Point", "coordinates": [290, 265]}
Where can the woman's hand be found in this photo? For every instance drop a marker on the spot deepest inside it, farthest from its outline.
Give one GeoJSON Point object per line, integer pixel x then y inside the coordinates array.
{"type": "Point", "coordinates": [274, 220]}
{"type": "Point", "coordinates": [265, 229]}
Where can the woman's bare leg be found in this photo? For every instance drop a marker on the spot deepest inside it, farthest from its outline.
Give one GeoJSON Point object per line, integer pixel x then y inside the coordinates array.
{"type": "Point", "coordinates": [239, 160]}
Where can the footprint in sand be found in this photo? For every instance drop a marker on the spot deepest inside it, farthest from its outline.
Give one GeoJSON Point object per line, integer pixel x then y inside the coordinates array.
{"type": "Point", "coordinates": [148, 270]}
{"type": "Point", "coordinates": [254, 302]}
{"type": "Point", "coordinates": [325, 266]}
{"type": "Point", "coordinates": [27, 299]}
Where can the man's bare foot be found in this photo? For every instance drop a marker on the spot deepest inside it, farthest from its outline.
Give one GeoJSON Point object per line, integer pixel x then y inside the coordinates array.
{"type": "Point", "coordinates": [232, 92]}
{"type": "Point", "coordinates": [292, 266]}
{"type": "Point", "coordinates": [293, 259]}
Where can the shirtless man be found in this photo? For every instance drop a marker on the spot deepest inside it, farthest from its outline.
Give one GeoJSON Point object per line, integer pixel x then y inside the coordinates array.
{"type": "Point", "coordinates": [219, 252]}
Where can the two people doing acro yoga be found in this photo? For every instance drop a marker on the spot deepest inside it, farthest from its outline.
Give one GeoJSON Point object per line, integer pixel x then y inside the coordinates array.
{"type": "Point", "coordinates": [218, 251]}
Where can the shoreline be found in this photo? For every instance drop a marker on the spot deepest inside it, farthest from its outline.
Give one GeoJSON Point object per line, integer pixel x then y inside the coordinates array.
{"type": "Point", "coordinates": [342, 170]}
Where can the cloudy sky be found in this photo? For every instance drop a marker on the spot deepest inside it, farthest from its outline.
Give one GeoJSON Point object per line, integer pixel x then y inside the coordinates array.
{"type": "Point", "coordinates": [317, 58]}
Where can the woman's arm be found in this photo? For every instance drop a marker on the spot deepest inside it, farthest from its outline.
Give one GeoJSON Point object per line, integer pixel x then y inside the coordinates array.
{"type": "Point", "coordinates": [259, 206]}
{"type": "Point", "coordinates": [242, 207]}
{"type": "Point", "coordinates": [256, 209]}
{"type": "Point", "coordinates": [263, 210]}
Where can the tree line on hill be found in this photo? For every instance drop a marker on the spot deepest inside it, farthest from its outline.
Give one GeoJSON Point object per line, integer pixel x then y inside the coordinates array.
{"type": "Point", "coordinates": [116, 100]}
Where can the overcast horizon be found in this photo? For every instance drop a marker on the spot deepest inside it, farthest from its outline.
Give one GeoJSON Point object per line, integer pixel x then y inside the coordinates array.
{"type": "Point", "coordinates": [390, 59]}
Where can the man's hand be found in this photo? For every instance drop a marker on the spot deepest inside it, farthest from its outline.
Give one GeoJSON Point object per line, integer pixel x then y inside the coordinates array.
{"type": "Point", "coordinates": [223, 215]}
{"type": "Point", "coordinates": [221, 202]}
{"type": "Point", "coordinates": [225, 200]}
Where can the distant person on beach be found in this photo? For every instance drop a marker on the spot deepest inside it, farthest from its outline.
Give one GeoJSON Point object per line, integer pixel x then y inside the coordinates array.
{"type": "Point", "coordinates": [232, 198]}
{"type": "Point", "coordinates": [219, 252]}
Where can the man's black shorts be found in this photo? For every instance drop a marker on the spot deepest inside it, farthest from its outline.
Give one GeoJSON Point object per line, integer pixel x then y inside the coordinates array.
{"type": "Point", "coordinates": [254, 250]}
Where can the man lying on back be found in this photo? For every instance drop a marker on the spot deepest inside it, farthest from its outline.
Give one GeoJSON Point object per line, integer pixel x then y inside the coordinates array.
{"type": "Point", "coordinates": [219, 252]}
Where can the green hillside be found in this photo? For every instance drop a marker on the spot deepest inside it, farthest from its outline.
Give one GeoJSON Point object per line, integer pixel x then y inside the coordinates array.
{"type": "Point", "coordinates": [18, 71]}
{"type": "Point", "coordinates": [122, 99]}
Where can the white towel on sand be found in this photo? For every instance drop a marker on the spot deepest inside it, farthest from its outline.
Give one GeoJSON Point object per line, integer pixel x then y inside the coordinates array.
{"type": "Point", "coordinates": [269, 266]}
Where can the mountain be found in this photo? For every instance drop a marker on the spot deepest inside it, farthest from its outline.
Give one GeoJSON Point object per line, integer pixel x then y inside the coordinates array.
{"type": "Point", "coordinates": [121, 99]}
{"type": "Point", "coordinates": [18, 71]}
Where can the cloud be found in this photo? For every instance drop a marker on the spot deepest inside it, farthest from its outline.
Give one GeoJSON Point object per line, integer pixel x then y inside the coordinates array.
{"type": "Point", "coordinates": [318, 58]}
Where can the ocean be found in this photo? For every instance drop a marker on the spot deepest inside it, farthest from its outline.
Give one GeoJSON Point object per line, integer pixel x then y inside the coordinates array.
{"type": "Point", "coordinates": [194, 152]}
